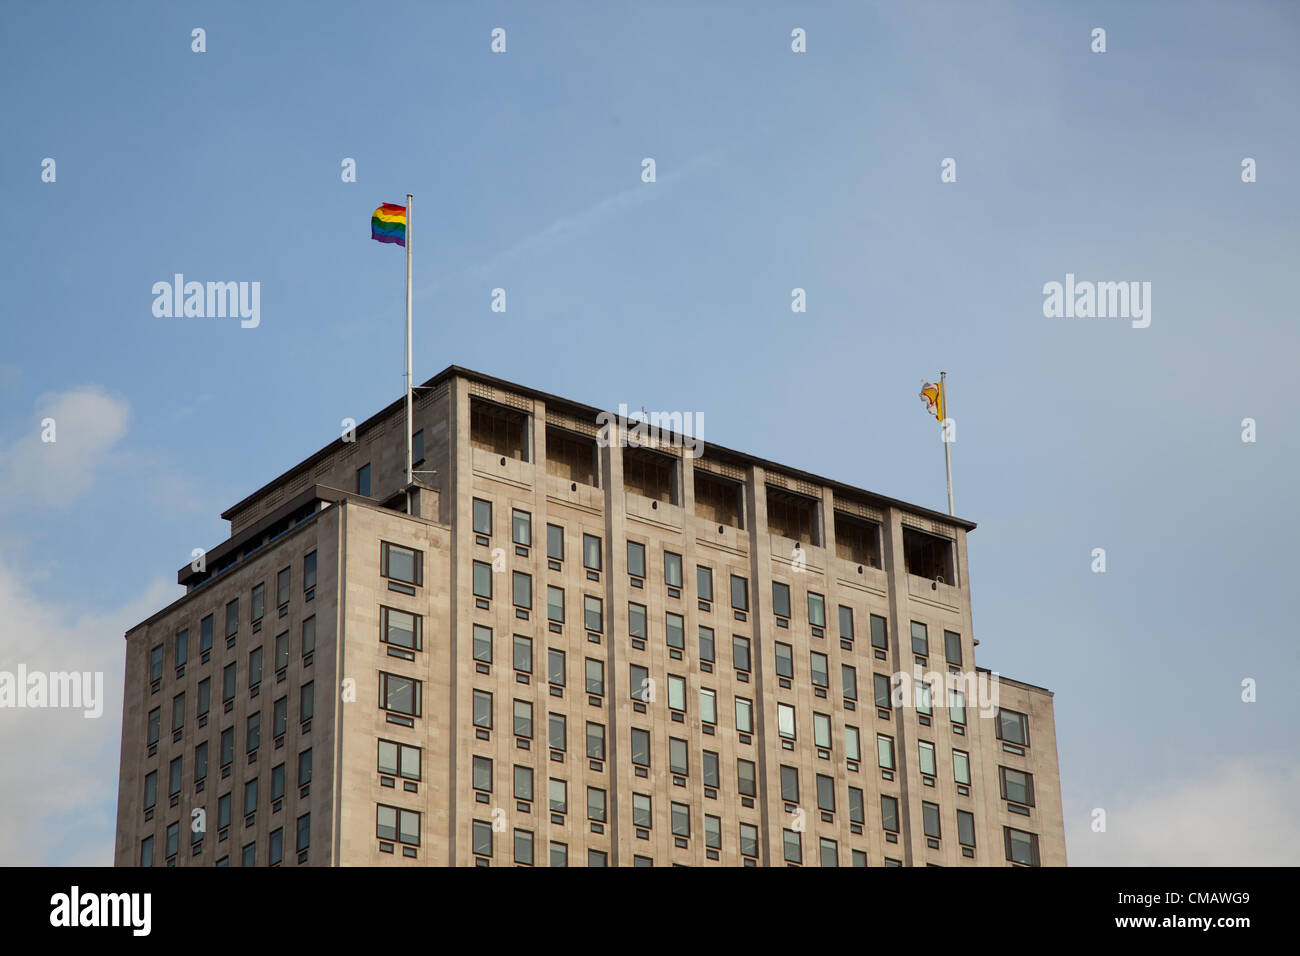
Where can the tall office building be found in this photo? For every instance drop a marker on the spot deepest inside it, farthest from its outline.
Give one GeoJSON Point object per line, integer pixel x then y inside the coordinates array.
{"type": "Point", "coordinates": [567, 643]}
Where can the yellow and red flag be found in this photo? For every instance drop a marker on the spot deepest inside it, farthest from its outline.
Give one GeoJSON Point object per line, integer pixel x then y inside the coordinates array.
{"type": "Point", "coordinates": [932, 395]}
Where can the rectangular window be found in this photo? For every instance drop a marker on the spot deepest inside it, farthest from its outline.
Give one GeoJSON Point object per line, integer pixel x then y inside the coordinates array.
{"type": "Point", "coordinates": [681, 819]}
{"type": "Point", "coordinates": [708, 706]}
{"type": "Point", "coordinates": [307, 701]}
{"type": "Point", "coordinates": [830, 852]}
{"type": "Point", "coordinates": [793, 846]}
{"type": "Point", "coordinates": [523, 783]}
{"type": "Point", "coordinates": [676, 693]}
{"type": "Point", "coordinates": [483, 709]}
{"type": "Point", "coordinates": [675, 631]}
{"type": "Point", "coordinates": [957, 706]}
{"type": "Point", "coordinates": [482, 838]}
{"type": "Point", "coordinates": [745, 715]}
{"type": "Point", "coordinates": [920, 639]}
{"type": "Point", "coordinates": [399, 694]}
{"type": "Point", "coordinates": [785, 721]}
{"type": "Point", "coordinates": [706, 644]}
{"type": "Point", "coordinates": [672, 569]}
{"type": "Point", "coordinates": [399, 760]}
{"type": "Point", "coordinates": [857, 806]}
{"type": "Point", "coordinates": [591, 552]}
{"type": "Point", "coordinates": [523, 712]}
{"type": "Point", "coordinates": [250, 797]}
{"type": "Point", "coordinates": [819, 669]}
{"type": "Point", "coordinates": [280, 717]}
{"type": "Point", "coordinates": [780, 599]}
{"type": "Point", "coordinates": [363, 480]}
{"type": "Point", "coordinates": [1022, 847]}
{"type": "Point", "coordinates": [401, 629]}
{"type": "Point", "coordinates": [636, 559]}
{"type": "Point", "coordinates": [825, 793]}
{"type": "Point", "coordinates": [712, 832]}
{"type": "Point", "coordinates": [156, 663]}
{"type": "Point", "coordinates": [182, 648]}
{"type": "Point", "coordinates": [965, 828]}
{"type": "Point", "coordinates": [522, 591]}
{"type": "Point", "coordinates": [482, 644]}
{"type": "Point", "coordinates": [677, 759]}
{"type": "Point", "coordinates": [924, 701]}
{"type": "Point", "coordinates": [482, 517]}
{"type": "Point", "coordinates": [926, 750]}
{"type": "Point", "coordinates": [889, 813]}
{"type": "Point", "coordinates": [595, 673]}
{"type": "Point", "coordinates": [852, 744]}
{"type": "Point", "coordinates": [282, 651]}
{"type": "Point", "coordinates": [1013, 727]}
{"type": "Point", "coordinates": [740, 652]}
{"type": "Point", "coordinates": [642, 813]}
{"type": "Point", "coordinates": [227, 747]}
{"type": "Point", "coordinates": [784, 660]}
{"type": "Point", "coordinates": [205, 696]}
{"type": "Point", "coordinates": [596, 804]}
{"type": "Point", "coordinates": [232, 618]}
{"type": "Point", "coordinates": [554, 604]}
{"type": "Point", "coordinates": [555, 667]}
{"type": "Point", "coordinates": [849, 676]}
{"type": "Point", "coordinates": [401, 564]}
{"type": "Point", "coordinates": [282, 582]}
{"type": "Point", "coordinates": [636, 620]}
{"type": "Point", "coordinates": [709, 769]}
{"type": "Point", "coordinates": [846, 623]}
{"type": "Point", "coordinates": [952, 647]}
{"type": "Point", "coordinates": [277, 782]}
{"type": "Point", "coordinates": [223, 811]}
{"type": "Point", "coordinates": [879, 632]}
{"type": "Point", "coordinates": [178, 711]}
{"type": "Point", "coordinates": [885, 751]}
{"type": "Point", "coordinates": [555, 542]}
{"type": "Point", "coordinates": [961, 767]}
{"type": "Point", "coordinates": [309, 635]}
{"type": "Point", "coordinates": [255, 667]}
{"type": "Point", "coordinates": [397, 825]}
{"type": "Point", "coordinates": [201, 762]}
{"type": "Point", "coordinates": [228, 681]}
{"type": "Point", "coordinates": [739, 593]}
{"type": "Point", "coordinates": [309, 571]}
{"type": "Point", "coordinates": [155, 725]}
{"type": "Point", "coordinates": [482, 774]}
{"type": "Point", "coordinates": [816, 610]}
{"type": "Point", "coordinates": [205, 635]}
{"type": "Point", "coordinates": [175, 770]}
{"type": "Point", "coordinates": [595, 741]}
{"type": "Point", "coordinates": [521, 525]}
{"type": "Point", "coordinates": [259, 602]}
{"type": "Point", "coordinates": [704, 582]}
{"type": "Point", "coordinates": [930, 819]}
{"type": "Point", "coordinates": [523, 654]}
{"type": "Point", "coordinates": [417, 448]}
{"type": "Point", "coordinates": [639, 683]}
{"type": "Point", "coordinates": [483, 580]}
{"type": "Point", "coordinates": [558, 732]}
{"type": "Point", "coordinates": [789, 784]}
{"type": "Point", "coordinates": [557, 795]}
{"type": "Point", "coordinates": [253, 732]}
{"type": "Point", "coordinates": [1017, 786]}
{"type": "Point", "coordinates": [822, 731]}
{"type": "Point", "coordinates": [749, 840]}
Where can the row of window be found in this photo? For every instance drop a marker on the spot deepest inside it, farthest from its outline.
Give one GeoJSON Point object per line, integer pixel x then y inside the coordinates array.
{"type": "Point", "coordinates": [247, 856]}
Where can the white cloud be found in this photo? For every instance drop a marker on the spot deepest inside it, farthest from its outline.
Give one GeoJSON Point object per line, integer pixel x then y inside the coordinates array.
{"type": "Point", "coordinates": [1240, 811]}
{"type": "Point", "coordinates": [58, 791]}
{"type": "Point", "coordinates": [88, 423]}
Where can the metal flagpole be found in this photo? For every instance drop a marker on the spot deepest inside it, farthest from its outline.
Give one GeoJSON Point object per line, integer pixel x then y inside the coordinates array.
{"type": "Point", "coordinates": [410, 224]}
{"type": "Point", "coordinates": [943, 397]}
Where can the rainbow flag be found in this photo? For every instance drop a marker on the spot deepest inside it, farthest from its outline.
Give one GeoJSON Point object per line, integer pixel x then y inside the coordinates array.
{"type": "Point", "coordinates": [388, 224]}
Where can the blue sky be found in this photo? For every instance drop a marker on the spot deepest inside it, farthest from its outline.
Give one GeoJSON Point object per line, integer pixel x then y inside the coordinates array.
{"type": "Point", "coordinates": [775, 170]}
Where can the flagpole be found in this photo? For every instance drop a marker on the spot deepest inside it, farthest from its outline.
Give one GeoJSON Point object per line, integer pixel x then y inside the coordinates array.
{"type": "Point", "coordinates": [943, 394]}
{"type": "Point", "coordinates": [410, 223]}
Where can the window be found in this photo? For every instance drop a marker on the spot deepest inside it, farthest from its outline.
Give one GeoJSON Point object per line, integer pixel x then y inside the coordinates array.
{"type": "Point", "coordinates": [639, 683]}
{"type": "Point", "coordinates": [173, 839]}
{"type": "Point", "coordinates": [920, 639]}
{"type": "Point", "coordinates": [816, 610]}
{"type": "Point", "coordinates": [704, 582]}
{"type": "Point", "coordinates": [712, 832]}
{"type": "Point", "coordinates": [554, 604]}
{"type": "Point", "coordinates": [675, 629]}
{"type": "Point", "coordinates": [708, 706]}
{"type": "Point", "coordinates": [740, 652]}
{"type": "Point", "coordinates": [749, 840]}
{"type": "Point", "coordinates": [952, 647]}
{"type": "Point", "coordinates": [482, 774]}
{"type": "Point", "coordinates": [399, 694]}
{"type": "Point", "coordinates": [745, 777]}
{"type": "Point", "coordinates": [151, 789]}
{"type": "Point", "coordinates": [677, 759]}
{"type": "Point", "coordinates": [636, 559]}
{"type": "Point", "coordinates": [672, 569]}
{"type": "Point", "coordinates": [789, 784]}
{"type": "Point", "coordinates": [400, 629]}
{"type": "Point", "coordinates": [282, 651]}
{"type": "Point", "coordinates": [957, 706]}
{"type": "Point", "coordinates": [275, 852]}
{"type": "Point", "coordinates": [205, 696]}
{"type": "Point", "coordinates": [595, 673]}
{"type": "Point", "coordinates": [155, 723]}
{"type": "Point", "coordinates": [309, 636]}
{"type": "Point", "coordinates": [641, 810]}
{"type": "Point", "coordinates": [557, 794]}
{"type": "Point", "coordinates": [784, 660]}
{"type": "Point", "coordinates": [523, 783]}
{"type": "Point", "coordinates": [885, 751]}
{"type": "Point", "coordinates": [596, 804]}
{"type": "Point", "coordinates": [591, 552]}
{"type": "Point", "coordinates": [785, 721]}
{"type": "Point", "coordinates": [930, 819]}
{"type": "Point", "coordinates": [739, 593]}
{"type": "Point", "coordinates": [223, 811]}
{"type": "Point", "coordinates": [595, 741]}
{"type": "Point", "coordinates": [156, 663]}
{"type": "Point", "coordinates": [259, 602]}
{"type": "Point", "coordinates": [879, 633]}
{"type": "Point", "coordinates": [857, 806]}
{"type": "Point", "coordinates": [593, 611]}
{"type": "Point", "coordinates": [636, 620]}
{"type": "Point", "coordinates": [483, 709]}
{"type": "Point", "coordinates": [522, 590]}
{"type": "Point", "coordinates": [182, 648]}
{"type": "Point", "coordinates": [745, 715]}
{"type": "Point", "coordinates": [709, 769]}
{"type": "Point", "coordinates": [482, 838]}
{"type": "Point", "coordinates": [924, 701]}
{"type": "Point", "coordinates": [1022, 847]}
{"type": "Point", "coordinates": [401, 564]}
{"type": "Point", "coordinates": [178, 711]}
{"type": "Point", "coordinates": [676, 693]}
{"type": "Point", "coordinates": [201, 762]}
{"type": "Point", "coordinates": [417, 448]}
{"type": "Point", "coordinates": [523, 713]}
{"type": "Point", "coordinates": [304, 768]}
{"type": "Point", "coordinates": [557, 732]}
{"type": "Point", "coordinates": [846, 623]}
{"type": "Point", "coordinates": [857, 540]}
{"type": "Point", "coordinates": [681, 819]}
{"type": "Point", "coordinates": [499, 430]}
{"type": "Point", "coordinates": [363, 480]}
{"type": "Point", "coordinates": [397, 825]}
{"type": "Point", "coordinates": [830, 852]}
{"type": "Point", "coordinates": [640, 747]}
{"type": "Point", "coordinates": [706, 644]}
{"type": "Point", "coordinates": [849, 676]}
{"type": "Point", "coordinates": [822, 731]}
{"type": "Point", "coordinates": [880, 683]}
{"type": "Point", "coordinates": [965, 828]}
{"type": "Point", "coordinates": [309, 571]}
{"type": "Point", "coordinates": [483, 580]}
{"type": "Point", "coordinates": [523, 654]}
{"type": "Point", "coordinates": [793, 846]}
{"type": "Point", "coordinates": [1017, 786]}
{"type": "Point", "coordinates": [232, 618]}
{"type": "Point", "coordinates": [961, 766]}
{"type": "Point", "coordinates": [282, 583]}
{"type": "Point", "coordinates": [482, 644]}
{"type": "Point", "coordinates": [228, 680]}
{"type": "Point", "coordinates": [253, 732]}
{"type": "Point", "coordinates": [1013, 727]}
{"type": "Point", "coordinates": [928, 556]}
{"type": "Point", "coordinates": [146, 851]}
{"type": "Point", "coordinates": [889, 813]}
{"type": "Point", "coordinates": [555, 542]}
{"type": "Point", "coordinates": [852, 745]}
{"type": "Point", "coordinates": [793, 516]}
{"type": "Point", "coordinates": [250, 797]}
{"type": "Point", "coordinates": [521, 526]}
{"type": "Point", "coordinates": [825, 793]}
{"type": "Point", "coordinates": [780, 599]}
{"type": "Point", "coordinates": [926, 750]}
{"type": "Point", "coordinates": [555, 667]}
{"type": "Point", "coordinates": [482, 517]}
{"type": "Point", "coordinates": [227, 747]}
{"type": "Point", "coordinates": [820, 668]}
{"type": "Point", "coordinates": [205, 635]}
